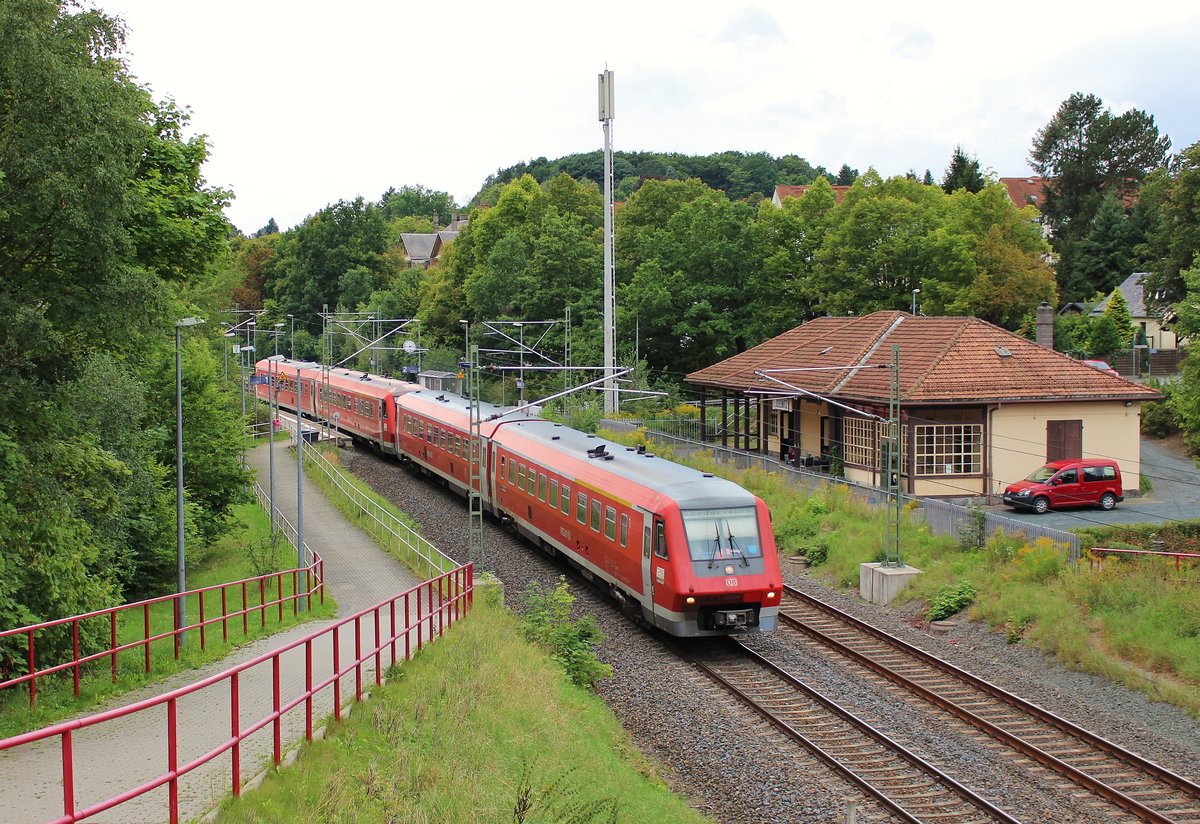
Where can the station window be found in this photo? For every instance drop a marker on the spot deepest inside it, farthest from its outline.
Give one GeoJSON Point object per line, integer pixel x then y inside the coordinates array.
{"type": "Point", "coordinates": [565, 503]}
{"type": "Point", "coordinates": [521, 477]}
{"type": "Point", "coordinates": [542, 479]}
{"type": "Point", "coordinates": [624, 530]}
{"type": "Point", "coordinates": [581, 507]}
{"type": "Point", "coordinates": [610, 523]}
{"type": "Point", "coordinates": [553, 494]}
{"type": "Point", "coordinates": [595, 515]}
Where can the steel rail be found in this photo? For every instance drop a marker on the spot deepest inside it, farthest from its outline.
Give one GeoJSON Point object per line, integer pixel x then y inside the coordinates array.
{"type": "Point", "coordinates": [832, 761]}
{"type": "Point", "coordinates": [1127, 758]}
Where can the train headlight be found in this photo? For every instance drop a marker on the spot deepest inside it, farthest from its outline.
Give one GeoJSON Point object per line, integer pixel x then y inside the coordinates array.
{"type": "Point", "coordinates": [771, 595]}
{"type": "Point", "coordinates": [690, 600]}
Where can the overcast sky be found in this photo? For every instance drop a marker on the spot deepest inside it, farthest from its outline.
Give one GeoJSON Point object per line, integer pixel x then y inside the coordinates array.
{"type": "Point", "coordinates": [307, 103]}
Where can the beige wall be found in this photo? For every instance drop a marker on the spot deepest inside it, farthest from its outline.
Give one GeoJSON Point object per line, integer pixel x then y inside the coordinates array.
{"type": "Point", "coordinates": [1018, 438]}
{"type": "Point", "coordinates": [1159, 338]}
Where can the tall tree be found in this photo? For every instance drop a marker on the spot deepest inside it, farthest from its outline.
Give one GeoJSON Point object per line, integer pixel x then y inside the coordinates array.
{"type": "Point", "coordinates": [1089, 153]}
{"type": "Point", "coordinates": [963, 173]}
{"type": "Point", "coordinates": [1172, 244]}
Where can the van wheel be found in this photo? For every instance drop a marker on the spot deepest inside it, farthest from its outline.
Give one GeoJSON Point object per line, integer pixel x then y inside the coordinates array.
{"type": "Point", "coordinates": [1041, 504]}
{"type": "Point", "coordinates": [1107, 501]}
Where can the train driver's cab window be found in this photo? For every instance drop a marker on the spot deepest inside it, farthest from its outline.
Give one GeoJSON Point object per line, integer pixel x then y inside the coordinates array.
{"type": "Point", "coordinates": [660, 539]}
{"type": "Point", "coordinates": [722, 534]}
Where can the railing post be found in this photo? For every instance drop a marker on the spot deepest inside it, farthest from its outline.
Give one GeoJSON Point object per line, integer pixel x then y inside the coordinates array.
{"type": "Point", "coordinates": [224, 615]}
{"type": "Point", "coordinates": [174, 627]}
{"type": "Point", "coordinates": [68, 776]}
{"type": "Point", "coordinates": [262, 601]}
{"type": "Point", "coordinates": [337, 675]}
{"type": "Point", "coordinates": [201, 594]}
{"type": "Point", "coordinates": [172, 761]}
{"type": "Point", "coordinates": [295, 592]}
{"type": "Point", "coordinates": [235, 734]}
{"type": "Point", "coordinates": [407, 628]}
{"type": "Point", "coordinates": [32, 672]}
{"type": "Point", "coordinates": [112, 628]}
{"type": "Point", "coordinates": [378, 651]}
{"type": "Point", "coordinates": [308, 702]}
{"type": "Point", "coordinates": [277, 724]}
{"type": "Point", "coordinates": [358, 658]}
{"type": "Point", "coordinates": [420, 620]}
{"type": "Point", "coordinates": [279, 581]}
{"type": "Point", "coordinates": [146, 635]}
{"type": "Point", "coordinates": [392, 615]}
{"type": "Point", "coordinates": [75, 653]}
{"type": "Point", "coordinates": [441, 604]}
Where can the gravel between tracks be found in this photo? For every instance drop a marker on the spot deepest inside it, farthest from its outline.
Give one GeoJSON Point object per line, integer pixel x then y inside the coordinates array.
{"type": "Point", "coordinates": [737, 769]}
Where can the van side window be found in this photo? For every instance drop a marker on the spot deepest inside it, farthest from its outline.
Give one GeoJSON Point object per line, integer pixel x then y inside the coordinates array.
{"type": "Point", "coordinates": [1093, 474]}
{"type": "Point", "coordinates": [1069, 476]}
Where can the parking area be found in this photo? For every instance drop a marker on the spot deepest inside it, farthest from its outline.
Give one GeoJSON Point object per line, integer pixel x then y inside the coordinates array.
{"type": "Point", "coordinates": [1175, 496]}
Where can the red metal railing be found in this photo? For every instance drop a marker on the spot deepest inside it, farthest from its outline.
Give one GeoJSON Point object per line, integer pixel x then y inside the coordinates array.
{"type": "Point", "coordinates": [1095, 561]}
{"type": "Point", "coordinates": [428, 609]}
{"type": "Point", "coordinates": [314, 586]}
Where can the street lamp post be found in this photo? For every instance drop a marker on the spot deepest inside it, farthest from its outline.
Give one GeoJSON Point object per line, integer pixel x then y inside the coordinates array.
{"type": "Point", "coordinates": [914, 300]}
{"type": "Point", "coordinates": [278, 332]}
{"type": "Point", "coordinates": [292, 337]}
{"type": "Point", "coordinates": [273, 405]}
{"type": "Point", "coordinates": [300, 556]}
{"type": "Point", "coordinates": [181, 612]}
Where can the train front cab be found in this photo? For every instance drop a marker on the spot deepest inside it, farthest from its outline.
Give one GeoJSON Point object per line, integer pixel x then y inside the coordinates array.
{"type": "Point", "coordinates": [710, 572]}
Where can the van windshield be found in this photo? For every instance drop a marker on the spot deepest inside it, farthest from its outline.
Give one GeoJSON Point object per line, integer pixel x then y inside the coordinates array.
{"type": "Point", "coordinates": [1042, 475]}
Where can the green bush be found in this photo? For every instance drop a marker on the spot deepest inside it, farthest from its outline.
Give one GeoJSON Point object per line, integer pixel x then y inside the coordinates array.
{"type": "Point", "coordinates": [972, 536]}
{"type": "Point", "coordinates": [951, 599]}
{"type": "Point", "coordinates": [1158, 418]}
{"type": "Point", "coordinates": [816, 550]}
{"type": "Point", "coordinates": [546, 621]}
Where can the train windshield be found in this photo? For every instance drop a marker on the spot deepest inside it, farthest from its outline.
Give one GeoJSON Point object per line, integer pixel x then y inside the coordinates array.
{"type": "Point", "coordinates": [722, 534]}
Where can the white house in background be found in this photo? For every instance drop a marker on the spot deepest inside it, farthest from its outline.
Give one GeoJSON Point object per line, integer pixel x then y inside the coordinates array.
{"type": "Point", "coordinates": [1148, 320]}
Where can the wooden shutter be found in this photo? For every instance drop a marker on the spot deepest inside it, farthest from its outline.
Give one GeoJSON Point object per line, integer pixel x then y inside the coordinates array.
{"type": "Point", "coordinates": [1064, 440]}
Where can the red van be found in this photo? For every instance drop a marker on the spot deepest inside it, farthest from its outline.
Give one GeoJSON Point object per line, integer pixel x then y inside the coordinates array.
{"type": "Point", "coordinates": [1061, 484]}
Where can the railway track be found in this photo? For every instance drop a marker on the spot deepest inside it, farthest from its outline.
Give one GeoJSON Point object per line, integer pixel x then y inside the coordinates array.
{"type": "Point", "coordinates": [903, 783]}
{"type": "Point", "coordinates": [1121, 778]}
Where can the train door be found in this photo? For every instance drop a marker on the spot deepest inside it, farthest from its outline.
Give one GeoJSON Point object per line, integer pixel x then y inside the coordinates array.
{"type": "Point", "coordinates": [649, 525]}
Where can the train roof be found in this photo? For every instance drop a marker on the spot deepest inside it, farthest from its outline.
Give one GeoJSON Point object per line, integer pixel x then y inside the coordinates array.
{"type": "Point", "coordinates": [341, 377]}
{"type": "Point", "coordinates": [691, 488]}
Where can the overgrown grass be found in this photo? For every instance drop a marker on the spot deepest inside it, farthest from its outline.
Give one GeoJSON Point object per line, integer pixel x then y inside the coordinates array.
{"type": "Point", "coordinates": [376, 526]}
{"type": "Point", "coordinates": [480, 726]}
{"type": "Point", "coordinates": [1137, 626]}
{"type": "Point", "coordinates": [227, 560]}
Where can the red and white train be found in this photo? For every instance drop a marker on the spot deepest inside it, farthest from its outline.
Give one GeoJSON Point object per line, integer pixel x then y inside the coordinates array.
{"type": "Point", "coordinates": [692, 553]}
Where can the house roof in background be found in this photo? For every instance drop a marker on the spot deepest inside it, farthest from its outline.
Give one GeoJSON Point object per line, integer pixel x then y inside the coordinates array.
{"type": "Point", "coordinates": [782, 192]}
{"type": "Point", "coordinates": [1134, 293]}
{"type": "Point", "coordinates": [942, 360]}
{"type": "Point", "coordinates": [1026, 190]}
{"type": "Point", "coordinates": [418, 245]}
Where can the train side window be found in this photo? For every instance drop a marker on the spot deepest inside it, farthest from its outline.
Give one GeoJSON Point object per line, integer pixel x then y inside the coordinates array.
{"type": "Point", "coordinates": [581, 507]}
{"type": "Point", "coordinates": [542, 487]}
{"type": "Point", "coordinates": [553, 494]}
{"type": "Point", "coordinates": [521, 477]}
{"type": "Point", "coordinates": [565, 503]}
{"type": "Point", "coordinates": [512, 472]}
{"type": "Point", "coordinates": [429, 434]}
{"type": "Point", "coordinates": [421, 429]}
{"type": "Point", "coordinates": [595, 515]}
{"type": "Point", "coordinates": [532, 490]}
{"type": "Point", "coordinates": [660, 540]}
{"type": "Point", "coordinates": [610, 523]}
{"type": "Point", "coordinates": [646, 542]}
{"type": "Point", "coordinates": [503, 461]}
{"type": "Point", "coordinates": [624, 529]}
{"type": "Point", "coordinates": [458, 450]}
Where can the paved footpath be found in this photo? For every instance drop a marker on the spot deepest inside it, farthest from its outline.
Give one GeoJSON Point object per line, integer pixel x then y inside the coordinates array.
{"type": "Point", "coordinates": [112, 757]}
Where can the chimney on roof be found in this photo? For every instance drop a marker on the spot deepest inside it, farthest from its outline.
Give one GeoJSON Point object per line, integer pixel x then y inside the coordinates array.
{"type": "Point", "coordinates": [1045, 326]}
{"type": "Point", "coordinates": [435, 221]}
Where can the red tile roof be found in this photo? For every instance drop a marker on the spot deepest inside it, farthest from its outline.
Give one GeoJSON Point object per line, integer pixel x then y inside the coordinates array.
{"type": "Point", "coordinates": [782, 192]}
{"type": "Point", "coordinates": [942, 360]}
{"type": "Point", "coordinates": [1026, 190]}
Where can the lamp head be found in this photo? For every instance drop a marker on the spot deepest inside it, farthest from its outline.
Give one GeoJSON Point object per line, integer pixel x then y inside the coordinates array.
{"type": "Point", "coordinates": [185, 322]}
